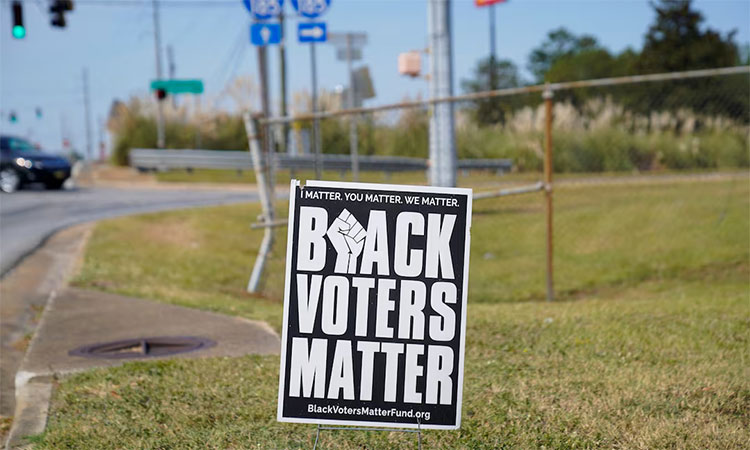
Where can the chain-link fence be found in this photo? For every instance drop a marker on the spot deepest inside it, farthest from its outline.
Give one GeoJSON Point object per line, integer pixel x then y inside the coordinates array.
{"type": "Point", "coordinates": [650, 175]}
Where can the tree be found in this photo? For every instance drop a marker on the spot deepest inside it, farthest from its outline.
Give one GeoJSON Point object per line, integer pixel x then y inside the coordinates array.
{"type": "Point", "coordinates": [559, 43]}
{"type": "Point", "coordinates": [676, 41]}
{"type": "Point", "coordinates": [487, 76]}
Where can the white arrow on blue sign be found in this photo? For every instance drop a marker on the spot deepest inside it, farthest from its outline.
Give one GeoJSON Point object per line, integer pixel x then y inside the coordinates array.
{"type": "Point", "coordinates": [263, 9]}
{"type": "Point", "coordinates": [312, 32]}
{"type": "Point", "coordinates": [265, 33]}
{"type": "Point", "coordinates": [311, 8]}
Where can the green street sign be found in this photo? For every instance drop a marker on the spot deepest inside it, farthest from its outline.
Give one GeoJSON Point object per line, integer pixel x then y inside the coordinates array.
{"type": "Point", "coordinates": [178, 86]}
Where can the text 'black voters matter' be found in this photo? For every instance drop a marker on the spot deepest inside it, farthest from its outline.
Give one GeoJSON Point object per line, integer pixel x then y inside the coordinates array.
{"type": "Point", "coordinates": [375, 305]}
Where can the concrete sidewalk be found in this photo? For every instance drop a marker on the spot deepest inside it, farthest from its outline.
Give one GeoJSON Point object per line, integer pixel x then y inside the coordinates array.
{"type": "Point", "coordinates": [74, 318]}
{"type": "Point", "coordinates": [24, 292]}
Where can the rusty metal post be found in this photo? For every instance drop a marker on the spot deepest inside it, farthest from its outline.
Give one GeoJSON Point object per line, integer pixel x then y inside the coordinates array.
{"type": "Point", "coordinates": [548, 168]}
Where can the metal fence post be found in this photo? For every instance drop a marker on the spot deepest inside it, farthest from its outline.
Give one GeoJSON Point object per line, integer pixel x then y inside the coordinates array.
{"type": "Point", "coordinates": [548, 169]}
{"type": "Point", "coordinates": [259, 164]}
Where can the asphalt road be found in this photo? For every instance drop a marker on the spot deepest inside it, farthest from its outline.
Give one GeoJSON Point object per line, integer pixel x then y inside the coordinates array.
{"type": "Point", "coordinates": [28, 217]}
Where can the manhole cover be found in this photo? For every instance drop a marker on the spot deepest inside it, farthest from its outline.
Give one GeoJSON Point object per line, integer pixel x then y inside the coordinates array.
{"type": "Point", "coordinates": [150, 347]}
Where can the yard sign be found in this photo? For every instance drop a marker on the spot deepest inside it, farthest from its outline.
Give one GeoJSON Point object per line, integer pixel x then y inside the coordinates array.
{"type": "Point", "coordinates": [375, 305]}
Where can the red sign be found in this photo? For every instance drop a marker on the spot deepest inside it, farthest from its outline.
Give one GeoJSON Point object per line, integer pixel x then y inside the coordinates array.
{"type": "Point", "coordinates": [487, 2]}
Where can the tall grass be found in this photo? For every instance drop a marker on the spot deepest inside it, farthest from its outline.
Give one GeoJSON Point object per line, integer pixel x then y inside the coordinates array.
{"type": "Point", "coordinates": [597, 136]}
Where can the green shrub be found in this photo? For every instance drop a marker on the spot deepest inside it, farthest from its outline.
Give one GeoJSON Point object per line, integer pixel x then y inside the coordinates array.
{"type": "Point", "coordinates": [612, 145]}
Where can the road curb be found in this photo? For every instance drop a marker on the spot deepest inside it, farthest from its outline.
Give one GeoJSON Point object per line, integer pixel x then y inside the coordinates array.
{"type": "Point", "coordinates": [33, 391]}
{"type": "Point", "coordinates": [32, 407]}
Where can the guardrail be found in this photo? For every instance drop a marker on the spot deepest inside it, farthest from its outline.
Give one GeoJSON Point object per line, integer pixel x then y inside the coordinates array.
{"type": "Point", "coordinates": [152, 159]}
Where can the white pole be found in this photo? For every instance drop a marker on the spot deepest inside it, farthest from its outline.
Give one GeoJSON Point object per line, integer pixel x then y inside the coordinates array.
{"type": "Point", "coordinates": [442, 128]}
{"type": "Point", "coordinates": [266, 202]}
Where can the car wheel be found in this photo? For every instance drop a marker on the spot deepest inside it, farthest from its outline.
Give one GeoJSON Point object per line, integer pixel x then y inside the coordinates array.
{"type": "Point", "coordinates": [10, 181]}
{"type": "Point", "coordinates": [55, 185]}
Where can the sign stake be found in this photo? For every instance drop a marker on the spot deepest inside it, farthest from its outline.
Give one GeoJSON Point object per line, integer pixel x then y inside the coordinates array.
{"type": "Point", "coordinates": [418, 431]}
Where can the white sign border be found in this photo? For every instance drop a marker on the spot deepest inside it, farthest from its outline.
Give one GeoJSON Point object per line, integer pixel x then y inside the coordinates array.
{"type": "Point", "coordinates": [287, 278]}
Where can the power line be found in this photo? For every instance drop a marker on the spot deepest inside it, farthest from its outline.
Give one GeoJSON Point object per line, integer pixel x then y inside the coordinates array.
{"type": "Point", "coordinates": [169, 3]}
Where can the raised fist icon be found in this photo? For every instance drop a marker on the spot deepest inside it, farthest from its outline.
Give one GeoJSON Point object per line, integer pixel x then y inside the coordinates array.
{"type": "Point", "coordinates": [348, 238]}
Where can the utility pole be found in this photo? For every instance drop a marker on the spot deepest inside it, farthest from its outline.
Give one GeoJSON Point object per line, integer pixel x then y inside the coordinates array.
{"type": "Point", "coordinates": [63, 133]}
{"type": "Point", "coordinates": [493, 54]}
{"type": "Point", "coordinates": [172, 69]}
{"type": "Point", "coordinates": [442, 128]}
{"type": "Point", "coordinates": [282, 84]}
{"type": "Point", "coordinates": [87, 112]}
{"type": "Point", "coordinates": [159, 106]}
{"type": "Point", "coordinates": [101, 138]}
{"type": "Point", "coordinates": [353, 141]}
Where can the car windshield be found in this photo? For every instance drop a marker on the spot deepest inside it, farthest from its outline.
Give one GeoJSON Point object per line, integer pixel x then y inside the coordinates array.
{"type": "Point", "coordinates": [19, 145]}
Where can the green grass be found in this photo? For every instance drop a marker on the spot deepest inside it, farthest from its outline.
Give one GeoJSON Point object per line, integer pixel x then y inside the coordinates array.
{"type": "Point", "coordinates": [283, 176]}
{"type": "Point", "coordinates": [465, 178]}
{"type": "Point", "coordinates": [647, 348]}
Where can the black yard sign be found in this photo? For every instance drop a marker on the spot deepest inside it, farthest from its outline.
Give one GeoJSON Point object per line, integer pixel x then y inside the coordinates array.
{"type": "Point", "coordinates": [375, 305]}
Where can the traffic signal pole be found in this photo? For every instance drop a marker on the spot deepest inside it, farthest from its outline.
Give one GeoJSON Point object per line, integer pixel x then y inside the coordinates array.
{"type": "Point", "coordinates": [159, 103]}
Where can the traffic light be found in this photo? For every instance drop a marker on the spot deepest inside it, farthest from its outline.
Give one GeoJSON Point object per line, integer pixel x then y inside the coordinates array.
{"type": "Point", "coordinates": [18, 30]}
{"type": "Point", "coordinates": [13, 117]}
{"type": "Point", "coordinates": [161, 94]}
{"type": "Point", "coordinates": [58, 8]}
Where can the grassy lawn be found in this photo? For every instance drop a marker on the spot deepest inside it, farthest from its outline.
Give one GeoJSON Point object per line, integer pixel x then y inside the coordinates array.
{"type": "Point", "coordinates": [465, 178]}
{"type": "Point", "coordinates": [648, 347]}
{"type": "Point", "coordinates": [282, 176]}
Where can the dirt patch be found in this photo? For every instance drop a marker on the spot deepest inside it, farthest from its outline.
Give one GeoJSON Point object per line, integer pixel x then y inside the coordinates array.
{"type": "Point", "coordinates": [113, 173]}
{"type": "Point", "coordinates": [5, 423]}
{"type": "Point", "coordinates": [177, 233]}
{"type": "Point", "coordinates": [22, 344]}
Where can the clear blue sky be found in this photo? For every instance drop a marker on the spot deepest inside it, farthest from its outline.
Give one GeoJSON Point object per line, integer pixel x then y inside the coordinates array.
{"type": "Point", "coordinates": [116, 44]}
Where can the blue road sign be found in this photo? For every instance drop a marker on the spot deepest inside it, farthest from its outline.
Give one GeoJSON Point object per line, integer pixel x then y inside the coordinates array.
{"type": "Point", "coordinates": [312, 32]}
{"type": "Point", "coordinates": [263, 9]}
{"type": "Point", "coordinates": [265, 33]}
{"type": "Point", "coordinates": [311, 8]}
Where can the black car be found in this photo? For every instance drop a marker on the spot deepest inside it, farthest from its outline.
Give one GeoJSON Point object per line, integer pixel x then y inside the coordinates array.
{"type": "Point", "coordinates": [22, 163]}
